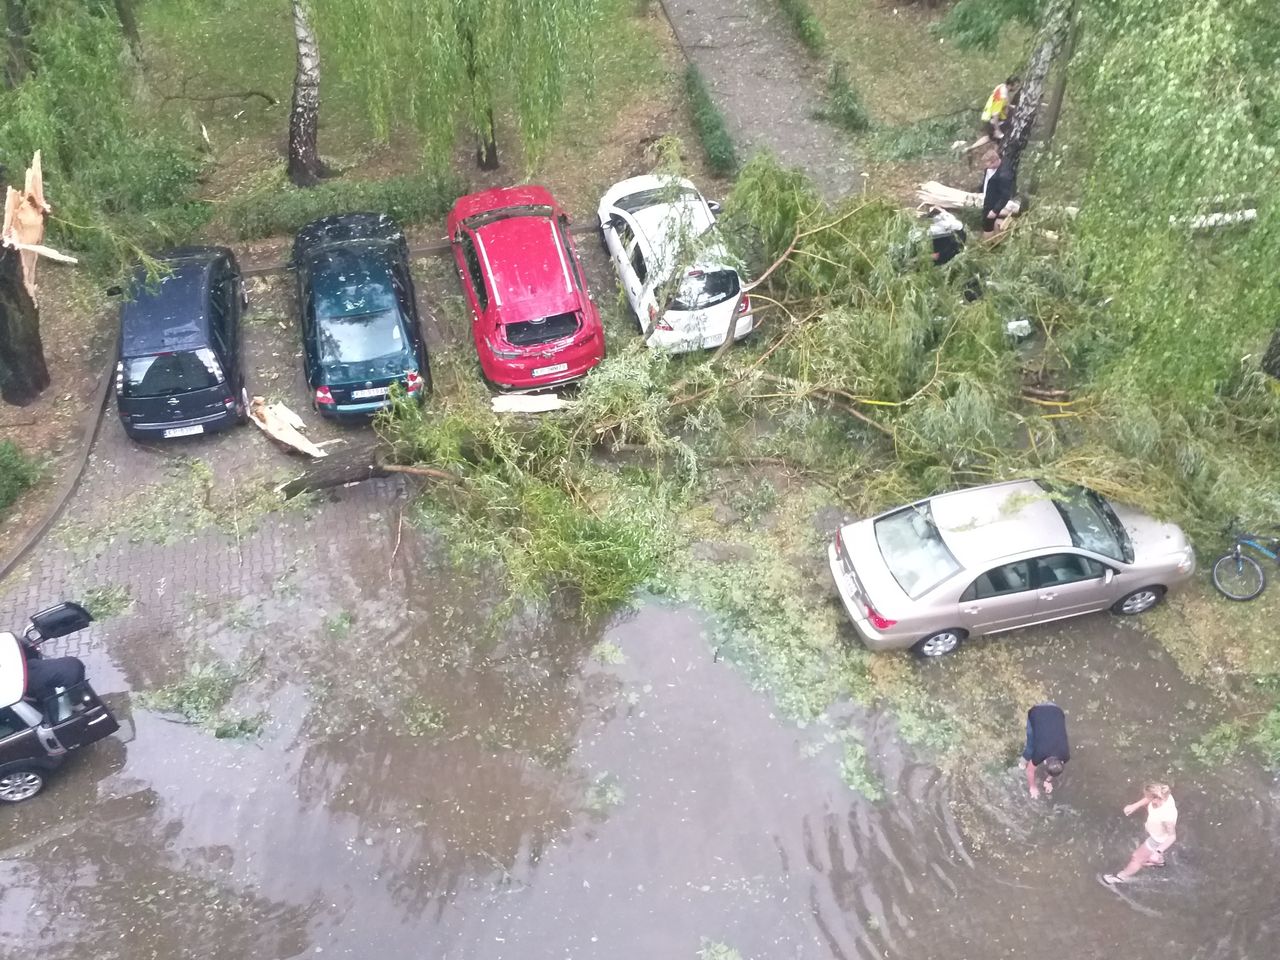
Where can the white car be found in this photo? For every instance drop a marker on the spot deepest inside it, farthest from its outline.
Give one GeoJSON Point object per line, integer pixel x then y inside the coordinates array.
{"type": "Point", "coordinates": [654, 226]}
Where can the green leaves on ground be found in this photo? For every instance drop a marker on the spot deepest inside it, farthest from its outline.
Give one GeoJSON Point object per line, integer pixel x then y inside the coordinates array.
{"type": "Point", "coordinates": [18, 472]}
{"type": "Point", "coordinates": [202, 695]}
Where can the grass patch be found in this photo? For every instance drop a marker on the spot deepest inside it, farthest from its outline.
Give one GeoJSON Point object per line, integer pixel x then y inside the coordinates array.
{"type": "Point", "coordinates": [202, 695]}
{"type": "Point", "coordinates": [107, 601]}
{"type": "Point", "coordinates": [844, 105]}
{"type": "Point", "coordinates": [423, 719]}
{"type": "Point", "coordinates": [807, 27]}
{"type": "Point", "coordinates": [929, 137]}
{"type": "Point", "coordinates": [282, 208]}
{"type": "Point", "coordinates": [339, 624]}
{"type": "Point", "coordinates": [708, 121]}
{"type": "Point", "coordinates": [856, 771]}
{"type": "Point", "coordinates": [608, 653]}
{"type": "Point", "coordinates": [18, 473]}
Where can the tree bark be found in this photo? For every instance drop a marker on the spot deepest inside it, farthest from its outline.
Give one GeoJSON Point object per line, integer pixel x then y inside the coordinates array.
{"type": "Point", "coordinates": [487, 146]}
{"type": "Point", "coordinates": [23, 373]}
{"type": "Point", "coordinates": [17, 54]}
{"type": "Point", "coordinates": [1271, 359]}
{"type": "Point", "coordinates": [128, 18]}
{"type": "Point", "coordinates": [1053, 35]}
{"type": "Point", "coordinates": [305, 167]}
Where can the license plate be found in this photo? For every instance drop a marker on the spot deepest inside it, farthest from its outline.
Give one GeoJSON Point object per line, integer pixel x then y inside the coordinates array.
{"type": "Point", "coordinates": [184, 431]}
{"type": "Point", "coordinates": [554, 368]}
{"type": "Point", "coordinates": [371, 392]}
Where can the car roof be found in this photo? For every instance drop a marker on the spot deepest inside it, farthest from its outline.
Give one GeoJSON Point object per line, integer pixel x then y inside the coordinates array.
{"type": "Point", "coordinates": [982, 525]}
{"type": "Point", "coordinates": [528, 268]}
{"type": "Point", "coordinates": [13, 670]}
{"type": "Point", "coordinates": [171, 313]}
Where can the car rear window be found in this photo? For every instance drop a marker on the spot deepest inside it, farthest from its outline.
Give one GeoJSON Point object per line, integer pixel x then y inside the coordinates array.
{"type": "Point", "coordinates": [541, 330]}
{"type": "Point", "coordinates": [913, 550]}
{"type": "Point", "coordinates": [635, 202]}
{"type": "Point", "coordinates": [701, 289]}
{"type": "Point", "coordinates": [360, 337]}
{"type": "Point", "coordinates": [169, 374]}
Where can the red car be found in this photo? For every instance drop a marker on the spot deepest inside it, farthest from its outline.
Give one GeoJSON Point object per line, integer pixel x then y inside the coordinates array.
{"type": "Point", "coordinates": [533, 321]}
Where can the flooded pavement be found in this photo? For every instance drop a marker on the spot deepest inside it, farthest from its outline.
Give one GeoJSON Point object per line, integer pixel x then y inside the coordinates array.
{"type": "Point", "coordinates": [440, 779]}
{"type": "Point", "coordinates": [442, 774]}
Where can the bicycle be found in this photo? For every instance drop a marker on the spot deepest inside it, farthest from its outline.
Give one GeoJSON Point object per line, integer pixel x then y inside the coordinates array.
{"type": "Point", "coordinates": [1236, 574]}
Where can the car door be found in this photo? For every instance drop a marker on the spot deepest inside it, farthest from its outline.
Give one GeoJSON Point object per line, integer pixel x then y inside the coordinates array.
{"type": "Point", "coordinates": [1002, 598]}
{"type": "Point", "coordinates": [19, 742]}
{"type": "Point", "coordinates": [1068, 584]}
{"type": "Point", "coordinates": [473, 282]}
{"type": "Point", "coordinates": [623, 250]}
{"type": "Point", "coordinates": [78, 717]}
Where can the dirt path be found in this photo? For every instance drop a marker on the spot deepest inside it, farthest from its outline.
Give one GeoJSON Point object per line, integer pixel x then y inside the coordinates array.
{"type": "Point", "coordinates": [766, 85]}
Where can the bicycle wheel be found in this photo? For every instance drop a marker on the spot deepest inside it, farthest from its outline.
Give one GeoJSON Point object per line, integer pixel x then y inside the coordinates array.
{"type": "Point", "coordinates": [1238, 577]}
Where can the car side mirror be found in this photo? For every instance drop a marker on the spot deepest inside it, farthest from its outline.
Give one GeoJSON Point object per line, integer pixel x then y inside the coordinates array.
{"type": "Point", "coordinates": [714, 207]}
{"type": "Point", "coordinates": [617, 222]}
{"type": "Point", "coordinates": [1108, 576]}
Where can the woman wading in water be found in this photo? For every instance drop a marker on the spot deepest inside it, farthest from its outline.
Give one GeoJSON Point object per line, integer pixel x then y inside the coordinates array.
{"type": "Point", "coordinates": [1162, 820]}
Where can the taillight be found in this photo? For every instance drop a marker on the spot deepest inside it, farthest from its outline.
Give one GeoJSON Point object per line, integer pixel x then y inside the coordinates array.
{"type": "Point", "coordinates": [874, 618]}
{"type": "Point", "coordinates": [744, 305]}
{"type": "Point", "coordinates": [120, 378]}
{"type": "Point", "coordinates": [656, 319]}
{"type": "Point", "coordinates": [840, 544]}
{"type": "Point", "coordinates": [412, 382]}
{"type": "Point", "coordinates": [324, 397]}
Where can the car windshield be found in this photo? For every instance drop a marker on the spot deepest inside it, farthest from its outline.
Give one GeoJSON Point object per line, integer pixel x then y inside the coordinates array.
{"type": "Point", "coordinates": [169, 374]}
{"type": "Point", "coordinates": [1092, 523]}
{"type": "Point", "coordinates": [506, 213]}
{"type": "Point", "coordinates": [705, 288]}
{"type": "Point", "coordinates": [634, 202]}
{"type": "Point", "coordinates": [913, 550]}
{"type": "Point", "coordinates": [360, 337]}
{"type": "Point", "coordinates": [541, 330]}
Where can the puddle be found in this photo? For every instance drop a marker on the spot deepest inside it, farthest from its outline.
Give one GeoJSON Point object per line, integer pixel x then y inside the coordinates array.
{"type": "Point", "coordinates": [438, 778]}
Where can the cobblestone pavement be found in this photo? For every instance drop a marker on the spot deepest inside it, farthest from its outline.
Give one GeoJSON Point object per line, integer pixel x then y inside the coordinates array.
{"type": "Point", "coordinates": [765, 85]}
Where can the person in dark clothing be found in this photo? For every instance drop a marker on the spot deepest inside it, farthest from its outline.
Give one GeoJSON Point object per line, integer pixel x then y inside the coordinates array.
{"type": "Point", "coordinates": [999, 190]}
{"type": "Point", "coordinates": [1046, 745]}
{"type": "Point", "coordinates": [46, 676]}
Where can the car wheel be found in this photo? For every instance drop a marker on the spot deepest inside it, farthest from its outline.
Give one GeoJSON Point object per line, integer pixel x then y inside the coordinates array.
{"type": "Point", "coordinates": [938, 644]}
{"type": "Point", "coordinates": [242, 410]}
{"type": "Point", "coordinates": [19, 785]}
{"type": "Point", "coordinates": [1140, 601]}
{"type": "Point", "coordinates": [604, 244]}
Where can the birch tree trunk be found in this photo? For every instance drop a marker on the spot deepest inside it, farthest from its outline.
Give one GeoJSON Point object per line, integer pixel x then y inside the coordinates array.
{"type": "Point", "coordinates": [1053, 35]}
{"type": "Point", "coordinates": [23, 373]}
{"type": "Point", "coordinates": [305, 168]}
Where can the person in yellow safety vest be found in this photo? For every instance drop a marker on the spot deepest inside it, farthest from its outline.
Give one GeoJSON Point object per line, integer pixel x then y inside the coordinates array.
{"type": "Point", "coordinates": [996, 112]}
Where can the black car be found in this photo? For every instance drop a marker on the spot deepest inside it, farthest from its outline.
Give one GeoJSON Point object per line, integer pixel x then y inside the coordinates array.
{"type": "Point", "coordinates": [360, 329]}
{"type": "Point", "coordinates": [179, 372]}
{"type": "Point", "coordinates": [47, 707]}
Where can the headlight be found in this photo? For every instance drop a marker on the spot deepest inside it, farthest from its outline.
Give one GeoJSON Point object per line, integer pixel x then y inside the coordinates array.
{"type": "Point", "coordinates": [1187, 559]}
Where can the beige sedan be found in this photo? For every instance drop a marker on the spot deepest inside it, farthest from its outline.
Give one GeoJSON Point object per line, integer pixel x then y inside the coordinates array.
{"type": "Point", "coordinates": [993, 558]}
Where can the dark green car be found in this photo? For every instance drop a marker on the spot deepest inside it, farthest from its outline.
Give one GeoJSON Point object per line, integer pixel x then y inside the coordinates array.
{"type": "Point", "coordinates": [360, 329]}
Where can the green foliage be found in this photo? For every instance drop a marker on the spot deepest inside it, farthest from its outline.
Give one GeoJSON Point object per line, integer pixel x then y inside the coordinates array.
{"type": "Point", "coordinates": [532, 500]}
{"type": "Point", "coordinates": [980, 23]}
{"type": "Point", "coordinates": [844, 106]}
{"type": "Point", "coordinates": [466, 60]}
{"type": "Point", "coordinates": [604, 794]}
{"type": "Point", "coordinates": [107, 601]}
{"type": "Point", "coordinates": [1266, 738]}
{"type": "Point", "coordinates": [807, 27]}
{"type": "Point", "coordinates": [284, 209]}
{"type": "Point", "coordinates": [856, 771]}
{"type": "Point", "coordinates": [423, 718]}
{"type": "Point", "coordinates": [1220, 744]}
{"type": "Point", "coordinates": [115, 183]}
{"type": "Point", "coordinates": [709, 122]}
{"type": "Point", "coordinates": [202, 695]}
{"type": "Point", "coordinates": [715, 950]}
{"type": "Point", "coordinates": [930, 137]}
{"type": "Point", "coordinates": [18, 472]}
